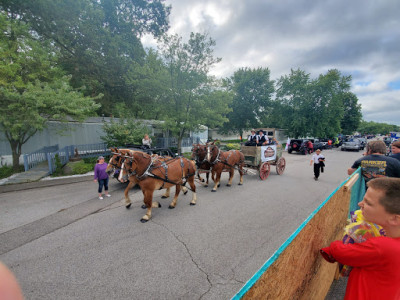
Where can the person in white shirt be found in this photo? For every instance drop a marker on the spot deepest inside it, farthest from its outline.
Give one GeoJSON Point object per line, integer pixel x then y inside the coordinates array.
{"type": "Point", "coordinates": [146, 141]}
{"type": "Point", "coordinates": [318, 160]}
{"type": "Point", "coordinates": [262, 139]}
{"type": "Point", "coordinates": [252, 139]}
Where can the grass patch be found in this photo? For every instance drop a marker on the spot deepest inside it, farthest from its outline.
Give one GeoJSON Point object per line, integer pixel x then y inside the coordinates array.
{"type": "Point", "coordinates": [81, 167]}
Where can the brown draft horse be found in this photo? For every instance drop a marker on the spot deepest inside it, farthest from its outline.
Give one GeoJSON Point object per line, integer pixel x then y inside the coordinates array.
{"type": "Point", "coordinates": [199, 153]}
{"type": "Point", "coordinates": [115, 164]}
{"type": "Point", "coordinates": [224, 161]}
{"type": "Point", "coordinates": [151, 174]}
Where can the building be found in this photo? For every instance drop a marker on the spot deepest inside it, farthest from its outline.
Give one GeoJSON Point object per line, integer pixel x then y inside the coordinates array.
{"type": "Point", "coordinates": [89, 132]}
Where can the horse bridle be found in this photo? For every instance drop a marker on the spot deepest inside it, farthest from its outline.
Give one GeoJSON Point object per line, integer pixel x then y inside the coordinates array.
{"type": "Point", "coordinates": [196, 151]}
{"type": "Point", "coordinates": [209, 155]}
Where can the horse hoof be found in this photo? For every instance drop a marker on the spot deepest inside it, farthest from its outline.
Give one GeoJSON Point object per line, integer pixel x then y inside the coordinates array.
{"type": "Point", "coordinates": [240, 183]}
{"type": "Point", "coordinates": [143, 206]}
{"type": "Point", "coordinates": [163, 197]}
{"type": "Point", "coordinates": [143, 220]}
{"type": "Point", "coordinates": [171, 207]}
{"type": "Point", "coordinates": [219, 184]}
{"type": "Point", "coordinates": [228, 184]}
{"type": "Point", "coordinates": [206, 185]}
{"type": "Point", "coordinates": [213, 190]}
{"type": "Point", "coordinates": [192, 203]}
{"type": "Point", "coordinates": [159, 205]}
{"type": "Point", "coordinates": [185, 192]}
{"type": "Point", "coordinates": [128, 206]}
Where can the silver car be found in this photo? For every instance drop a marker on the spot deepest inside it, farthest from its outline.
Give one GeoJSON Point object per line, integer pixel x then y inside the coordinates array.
{"type": "Point", "coordinates": [352, 144]}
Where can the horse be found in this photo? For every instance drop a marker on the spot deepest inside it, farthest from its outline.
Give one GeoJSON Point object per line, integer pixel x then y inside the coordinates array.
{"type": "Point", "coordinates": [115, 164]}
{"type": "Point", "coordinates": [224, 161]}
{"type": "Point", "coordinates": [152, 173]}
{"type": "Point", "coordinates": [199, 153]}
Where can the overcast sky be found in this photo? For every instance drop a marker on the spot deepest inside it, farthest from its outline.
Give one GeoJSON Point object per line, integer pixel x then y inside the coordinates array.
{"type": "Point", "coordinates": [360, 38]}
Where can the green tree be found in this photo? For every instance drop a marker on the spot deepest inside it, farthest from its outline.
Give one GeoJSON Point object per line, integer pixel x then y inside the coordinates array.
{"type": "Point", "coordinates": [327, 103]}
{"type": "Point", "coordinates": [376, 128]}
{"type": "Point", "coordinates": [192, 98]}
{"type": "Point", "coordinates": [251, 105]}
{"type": "Point", "coordinates": [352, 113]}
{"type": "Point", "coordinates": [151, 82]}
{"type": "Point", "coordinates": [32, 88]}
{"type": "Point", "coordinates": [293, 96]}
{"type": "Point", "coordinates": [123, 132]}
{"type": "Point", "coordinates": [316, 107]}
{"type": "Point", "coordinates": [98, 41]}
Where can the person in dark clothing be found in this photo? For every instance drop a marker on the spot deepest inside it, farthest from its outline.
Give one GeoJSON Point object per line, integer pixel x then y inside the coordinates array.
{"type": "Point", "coordinates": [252, 139]}
{"type": "Point", "coordinates": [262, 139]}
{"type": "Point", "coordinates": [375, 163]}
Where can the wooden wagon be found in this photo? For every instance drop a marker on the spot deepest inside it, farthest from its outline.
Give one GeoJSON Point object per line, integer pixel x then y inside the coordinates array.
{"type": "Point", "coordinates": [261, 159]}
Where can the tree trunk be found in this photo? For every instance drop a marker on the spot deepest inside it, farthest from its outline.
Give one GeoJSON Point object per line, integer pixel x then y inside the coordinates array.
{"type": "Point", "coordinates": [16, 153]}
{"type": "Point", "coordinates": [180, 145]}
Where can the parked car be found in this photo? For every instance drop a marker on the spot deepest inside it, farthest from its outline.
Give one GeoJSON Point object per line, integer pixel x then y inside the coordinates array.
{"type": "Point", "coordinates": [320, 144]}
{"type": "Point", "coordinates": [298, 145]}
{"type": "Point", "coordinates": [363, 142]}
{"type": "Point", "coordinates": [352, 144]}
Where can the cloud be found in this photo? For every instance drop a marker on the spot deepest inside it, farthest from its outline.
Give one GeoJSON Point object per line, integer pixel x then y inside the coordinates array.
{"type": "Point", "coordinates": [359, 38]}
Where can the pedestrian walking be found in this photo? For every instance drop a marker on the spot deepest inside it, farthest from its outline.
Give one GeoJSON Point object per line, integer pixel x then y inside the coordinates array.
{"type": "Point", "coordinates": [101, 177]}
{"type": "Point", "coordinates": [318, 159]}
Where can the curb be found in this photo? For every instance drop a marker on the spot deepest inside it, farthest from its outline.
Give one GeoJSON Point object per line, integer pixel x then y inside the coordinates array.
{"type": "Point", "coordinates": [5, 188]}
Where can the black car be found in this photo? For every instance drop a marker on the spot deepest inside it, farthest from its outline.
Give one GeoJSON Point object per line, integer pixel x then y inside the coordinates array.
{"type": "Point", "coordinates": [298, 145]}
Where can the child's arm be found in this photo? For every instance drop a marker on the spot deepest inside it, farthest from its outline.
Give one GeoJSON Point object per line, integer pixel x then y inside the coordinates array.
{"type": "Point", "coordinates": [355, 255]}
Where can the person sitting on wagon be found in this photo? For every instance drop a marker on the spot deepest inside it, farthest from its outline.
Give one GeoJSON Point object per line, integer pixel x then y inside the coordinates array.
{"type": "Point", "coordinates": [252, 139]}
{"type": "Point", "coordinates": [146, 141]}
{"type": "Point", "coordinates": [262, 139]}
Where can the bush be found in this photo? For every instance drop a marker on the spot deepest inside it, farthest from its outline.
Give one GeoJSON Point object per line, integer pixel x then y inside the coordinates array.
{"type": "Point", "coordinates": [7, 171]}
{"type": "Point", "coordinates": [187, 155]}
{"type": "Point", "coordinates": [232, 141]}
{"type": "Point", "coordinates": [232, 146]}
{"type": "Point", "coordinates": [59, 171]}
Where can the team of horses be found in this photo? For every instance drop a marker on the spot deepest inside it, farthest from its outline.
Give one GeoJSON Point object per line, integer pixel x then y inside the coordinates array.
{"type": "Point", "coordinates": [153, 172]}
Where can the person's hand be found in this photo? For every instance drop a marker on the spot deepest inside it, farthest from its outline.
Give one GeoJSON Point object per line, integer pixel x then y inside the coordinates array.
{"type": "Point", "coordinates": [95, 180]}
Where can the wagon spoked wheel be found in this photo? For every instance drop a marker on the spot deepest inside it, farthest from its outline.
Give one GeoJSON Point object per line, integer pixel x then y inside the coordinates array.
{"type": "Point", "coordinates": [264, 170]}
{"type": "Point", "coordinates": [280, 165]}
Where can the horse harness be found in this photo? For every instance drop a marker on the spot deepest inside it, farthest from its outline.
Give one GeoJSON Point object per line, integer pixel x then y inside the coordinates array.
{"type": "Point", "coordinates": [217, 159]}
{"type": "Point", "coordinates": [164, 165]}
{"type": "Point", "coordinates": [197, 159]}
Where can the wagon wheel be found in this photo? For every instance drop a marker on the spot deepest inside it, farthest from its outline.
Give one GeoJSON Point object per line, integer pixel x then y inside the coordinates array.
{"type": "Point", "coordinates": [264, 170]}
{"type": "Point", "coordinates": [280, 165]}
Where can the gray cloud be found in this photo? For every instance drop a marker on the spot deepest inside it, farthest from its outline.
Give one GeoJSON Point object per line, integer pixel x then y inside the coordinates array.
{"type": "Point", "coordinates": [359, 38]}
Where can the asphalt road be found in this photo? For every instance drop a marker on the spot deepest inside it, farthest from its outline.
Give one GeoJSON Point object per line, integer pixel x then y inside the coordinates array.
{"type": "Point", "coordinates": [61, 242]}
